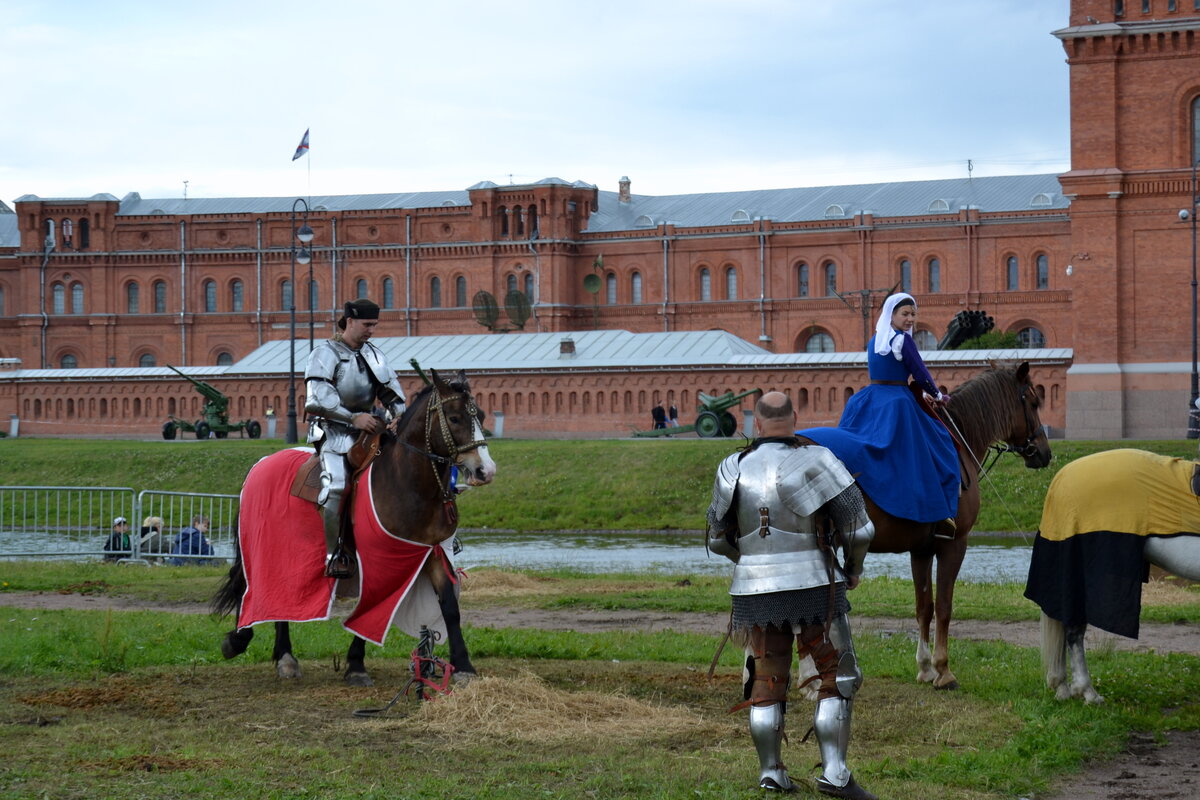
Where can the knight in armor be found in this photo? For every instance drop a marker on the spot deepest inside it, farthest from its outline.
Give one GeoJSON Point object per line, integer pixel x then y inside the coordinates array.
{"type": "Point", "coordinates": [904, 459]}
{"type": "Point", "coordinates": [345, 377]}
{"type": "Point", "coordinates": [779, 509]}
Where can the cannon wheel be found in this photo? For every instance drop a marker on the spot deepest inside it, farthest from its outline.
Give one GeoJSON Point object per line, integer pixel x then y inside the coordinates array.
{"type": "Point", "coordinates": [168, 430]}
{"type": "Point", "coordinates": [728, 424]}
{"type": "Point", "coordinates": [222, 434]}
{"type": "Point", "coordinates": [253, 429]}
{"type": "Point", "coordinates": [202, 430]}
{"type": "Point", "coordinates": [708, 425]}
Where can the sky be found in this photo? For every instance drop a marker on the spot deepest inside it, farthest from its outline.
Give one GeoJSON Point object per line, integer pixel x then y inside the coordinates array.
{"type": "Point", "coordinates": [681, 96]}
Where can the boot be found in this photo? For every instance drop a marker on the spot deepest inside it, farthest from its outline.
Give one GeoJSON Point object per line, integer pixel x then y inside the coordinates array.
{"type": "Point", "coordinates": [945, 529]}
{"type": "Point", "coordinates": [766, 730]}
{"type": "Point", "coordinates": [832, 726]}
{"type": "Point", "coordinates": [339, 561]}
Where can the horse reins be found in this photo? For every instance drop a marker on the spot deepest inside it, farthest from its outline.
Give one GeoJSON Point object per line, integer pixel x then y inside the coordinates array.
{"type": "Point", "coordinates": [435, 409]}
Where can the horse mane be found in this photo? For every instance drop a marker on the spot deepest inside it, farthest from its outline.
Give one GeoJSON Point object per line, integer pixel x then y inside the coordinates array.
{"type": "Point", "coordinates": [981, 407]}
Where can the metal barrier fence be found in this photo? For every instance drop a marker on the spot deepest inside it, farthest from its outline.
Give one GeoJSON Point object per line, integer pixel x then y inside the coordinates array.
{"type": "Point", "coordinates": [77, 522]}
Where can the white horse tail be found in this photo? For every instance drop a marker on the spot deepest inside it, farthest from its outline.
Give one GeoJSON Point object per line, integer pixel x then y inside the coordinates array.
{"type": "Point", "coordinates": [1054, 652]}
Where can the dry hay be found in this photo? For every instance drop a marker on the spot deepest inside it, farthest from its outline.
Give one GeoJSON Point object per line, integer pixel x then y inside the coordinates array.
{"type": "Point", "coordinates": [487, 583]}
{"type": "Point", "coordinates": [526, 709]}
{"type": "Point", "coordinates": [1169, 591]}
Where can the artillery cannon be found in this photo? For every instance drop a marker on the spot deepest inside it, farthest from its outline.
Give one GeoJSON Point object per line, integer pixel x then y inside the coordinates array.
{"type": "Point", "coordinates": [216, 416]}
{"type": "Point", "coordinates": [712, 418]}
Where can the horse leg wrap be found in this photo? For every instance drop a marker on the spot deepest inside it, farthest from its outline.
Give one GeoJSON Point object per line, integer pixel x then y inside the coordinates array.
{"type": "Point", "coordinates": [772, 665]}
{"type": "Point", "coordinates": [812, 641]}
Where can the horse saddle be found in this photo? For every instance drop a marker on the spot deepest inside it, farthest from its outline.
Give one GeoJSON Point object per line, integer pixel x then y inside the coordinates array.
{"type": "Point", "coordinates": [307, 483]}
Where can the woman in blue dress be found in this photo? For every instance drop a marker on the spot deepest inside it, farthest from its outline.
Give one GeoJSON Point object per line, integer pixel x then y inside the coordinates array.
{"type": "Point", "coordinates": [903, 459]}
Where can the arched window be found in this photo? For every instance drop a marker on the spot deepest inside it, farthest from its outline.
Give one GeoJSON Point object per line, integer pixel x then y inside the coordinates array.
{"type": "Point", "coordinates": [802, 279]}
{"type": "Point", "coordinates": [1031, 337]}
{"type": "Point", "coordinates": [610, 289]}
{"type": "Point", "coordinates": [502, 212]}
{"type": "Point", "coordinates": [1, 301]}
{"type": "Point", "coordinates": [925, 341]}
{"type": "Point", "coordinates": [819, 342]}
{"type": "Point", "coordinates": [132, 298]}
{"type": "Point", "coordinates": [510, 283]}
{"type": "Point", "coordinates": [528, 286]}
{"type": "Point", "coordinates": [285, 295]}
{"type": "Point", "coordinates": [1195, 130]}
{"type": "Point", "coordinates": [1043, 271]}
{"type": "Point", "coordinates": [905, 275]}
{"type": "Point", "coordinates": [533, 223]}
{"type": "Point", "coordinates": [935, 275]}
{"type": "Point", "coordinates": [160, 297]}
{"type": "Point", "coordinates": [58, 299]}
{"type": "Point", "coordinates": [460, 291]}
{"type": "Point", "coordinates": [1013, 274]}
{"type": "Point", "coordinates": [77, 298]}
{"type": "Point", "coordinates": [68, 361]}
{"type": "Point", "coordinates": [389, 293]}
{"type": "Point", "coordinates": [224, 359]}
{"type": "Point", "coordinates": [210, 296]}
{"type": "Point", "coordinates": [830, 279]}
{"type": "Point", "coordinates": [237, 296]}
{"type": "Point", "coordinates": [435, 292]}
{"type": "Point", "coordinates": [85, 235]}
{"type": "Point", "coordinates": [314, 294]}
{"type": "Point", "coordinates": [635, 287]}
{"type": "Point", "coordinates": [731, 283]}
{"type": "Point", "coordinates": [705, 285]}
{"type": "Point", "coordinates": [147, 360]}
{"type": "Point", "coordinates": [519, 220]}
{"type": "Point", "coordinates": [360, 288]}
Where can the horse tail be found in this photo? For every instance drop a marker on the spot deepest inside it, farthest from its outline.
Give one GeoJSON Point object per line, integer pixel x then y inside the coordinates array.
{"type": "Point", "coordinates": [1054, 651]}
{"type": "Point", "coordinates": [228, 596]}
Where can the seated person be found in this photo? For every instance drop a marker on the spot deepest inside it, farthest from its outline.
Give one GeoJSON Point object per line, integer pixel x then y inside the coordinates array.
{"type": "Point", "coordinates": [903, 459]}
{"type": "Point", "coordinates": [191, 542]}
{"type": "Point", "coordinates": [117, 546]}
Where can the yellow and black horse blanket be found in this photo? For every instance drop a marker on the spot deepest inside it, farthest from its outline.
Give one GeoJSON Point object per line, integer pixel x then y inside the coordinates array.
{"type": "Point", "coordinates": [1087, 566]}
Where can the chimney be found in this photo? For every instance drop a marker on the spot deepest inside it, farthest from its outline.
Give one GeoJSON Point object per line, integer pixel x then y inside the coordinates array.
{"type": "Point", "coordinates": [566, 347]}
{"type": "Point", "coordinates": [623, 191]}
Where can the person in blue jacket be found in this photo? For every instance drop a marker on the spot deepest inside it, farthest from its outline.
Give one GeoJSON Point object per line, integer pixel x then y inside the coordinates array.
{"type": "Point", "coordinates": [903, 459]}
{"type": "Point", "coordinates": [191, 542]}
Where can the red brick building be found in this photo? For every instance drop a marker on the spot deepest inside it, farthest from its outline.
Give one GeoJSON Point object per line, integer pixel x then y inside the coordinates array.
{"type": "Point", "coordinates": [1094, 261]}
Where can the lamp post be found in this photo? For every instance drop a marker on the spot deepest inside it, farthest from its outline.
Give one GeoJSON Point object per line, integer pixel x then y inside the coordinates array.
{"type": "Point", "coordinates": [1193, 429]}
{"type": "Point", "coordinates": [303, 235]}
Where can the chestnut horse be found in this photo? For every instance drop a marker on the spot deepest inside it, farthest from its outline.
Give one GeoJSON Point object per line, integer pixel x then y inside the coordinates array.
{"type": "Point", "coordinates": [410, 493]}
{"type": "Point", "coordinates": [999, 405]}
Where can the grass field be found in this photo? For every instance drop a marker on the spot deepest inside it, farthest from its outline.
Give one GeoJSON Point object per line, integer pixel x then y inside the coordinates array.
{"type": "Point", "coordinates": [140, 704]}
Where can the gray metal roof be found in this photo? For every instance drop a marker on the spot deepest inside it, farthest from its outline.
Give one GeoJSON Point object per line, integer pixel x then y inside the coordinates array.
{"type": "Point", "coordinates": [134, 205]}
{"type": "Point", "coordinates": [905, 199]}
{"type": "Point", "coordinates": [10, 234]}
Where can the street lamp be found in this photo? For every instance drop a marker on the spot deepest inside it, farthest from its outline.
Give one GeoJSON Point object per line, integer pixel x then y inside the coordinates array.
{"type": "Point", "coordinates": [303, 235]}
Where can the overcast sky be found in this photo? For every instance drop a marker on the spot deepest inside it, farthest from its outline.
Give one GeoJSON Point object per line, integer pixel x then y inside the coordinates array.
{"type": "Point", "coordinates": [680, 95]}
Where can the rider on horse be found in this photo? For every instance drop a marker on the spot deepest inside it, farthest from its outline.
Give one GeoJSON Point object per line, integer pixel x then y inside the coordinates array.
{"type": "Point", "coordinates": [774, 511]}
{"type": "Point", "coordinates": [344, 378]}
{"type": "Point", "coordinates": [904, 459]}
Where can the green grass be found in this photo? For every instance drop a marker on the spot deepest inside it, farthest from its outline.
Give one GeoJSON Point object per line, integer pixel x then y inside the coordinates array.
{"type": "Point", "coordinates": [619, 484]}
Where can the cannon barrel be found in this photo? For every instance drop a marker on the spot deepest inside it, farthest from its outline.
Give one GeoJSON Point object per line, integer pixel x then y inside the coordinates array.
{"type": "Point", "coordinates": [207, 389]}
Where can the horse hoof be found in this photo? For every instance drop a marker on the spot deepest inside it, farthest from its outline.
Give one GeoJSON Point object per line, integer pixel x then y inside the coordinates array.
{"type": "Point", "coordinates": [949, 686]}
{"type": "Point", "coordinates": [463, 678]}
{"type": "Point", "coordinates": [358, 679]}
{"type": "Point", "coordinates": [229, 649]}
{"type": "Point", "coordinates": [288, 667]}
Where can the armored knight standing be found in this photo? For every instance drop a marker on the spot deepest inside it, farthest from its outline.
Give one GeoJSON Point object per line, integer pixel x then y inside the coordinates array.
{"type": "Point", "coordinates": [344, 378]}
{"type": "Point", "coordinates": [778, 509]}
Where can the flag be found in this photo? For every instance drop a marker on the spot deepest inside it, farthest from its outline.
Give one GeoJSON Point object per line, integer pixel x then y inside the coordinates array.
{"type": "Point", "coordinates": [303, 147]}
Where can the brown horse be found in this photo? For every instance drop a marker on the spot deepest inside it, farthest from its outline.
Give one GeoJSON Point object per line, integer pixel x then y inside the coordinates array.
{"type": "Point", "coordinates": [999, 405]}
{"type": "Point", "coordinates": [407, 492]}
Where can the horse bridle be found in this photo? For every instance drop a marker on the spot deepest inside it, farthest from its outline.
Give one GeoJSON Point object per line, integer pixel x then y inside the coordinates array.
{"type": "Point", "coordinates": [1029, 448]}
{"type": "Point", "coordinates": [435, 409]}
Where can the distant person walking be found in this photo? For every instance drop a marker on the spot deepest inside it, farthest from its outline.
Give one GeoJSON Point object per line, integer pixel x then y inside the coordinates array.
{"type": "Point", "coordinates": [673, 416]}
{"type": "Point", "coordinates": [659, 415]}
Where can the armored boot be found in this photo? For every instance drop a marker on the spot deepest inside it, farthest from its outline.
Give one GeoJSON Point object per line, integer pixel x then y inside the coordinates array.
{"type": "Point", "coordinates": [339, 560]}
{"type": "Point", "coordinates": [832, 726]}
{"type": "Point", "coordinates": [766, 729]}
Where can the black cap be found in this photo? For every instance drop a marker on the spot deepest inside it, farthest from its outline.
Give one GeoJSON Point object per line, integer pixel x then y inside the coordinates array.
{"type": "Point", "coordinates": [362, 308]}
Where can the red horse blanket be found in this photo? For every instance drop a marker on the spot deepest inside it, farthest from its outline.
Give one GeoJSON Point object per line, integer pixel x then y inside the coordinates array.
{"type": "Point", "coordinates": [282, 543]}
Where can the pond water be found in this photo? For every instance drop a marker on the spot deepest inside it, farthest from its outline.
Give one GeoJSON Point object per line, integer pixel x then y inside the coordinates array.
{"type": "Point", "coordinates": [990, 558]}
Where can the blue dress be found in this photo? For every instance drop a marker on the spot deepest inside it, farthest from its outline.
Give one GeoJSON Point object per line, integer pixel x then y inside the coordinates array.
{"type": "Point", "coordinates": [903, 459]}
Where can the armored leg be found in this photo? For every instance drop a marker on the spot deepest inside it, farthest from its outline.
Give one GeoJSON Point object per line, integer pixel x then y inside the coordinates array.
{"type": "Point", "coordinates": [333, 484]}
{"type": "Point", "coordinates": [841, 679]}
{"type": "Point", "coordinates": [772, 650]}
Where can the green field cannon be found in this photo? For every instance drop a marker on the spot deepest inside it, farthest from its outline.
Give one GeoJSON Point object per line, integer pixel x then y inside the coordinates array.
{"type": "Point", "coordinates": [713, 417]}
{"type": "Point", "coordinates": [216, 416]}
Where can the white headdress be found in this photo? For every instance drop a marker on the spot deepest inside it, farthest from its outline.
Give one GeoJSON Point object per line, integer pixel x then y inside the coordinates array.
{"type": "Point", "coordinates": [883, 327]}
